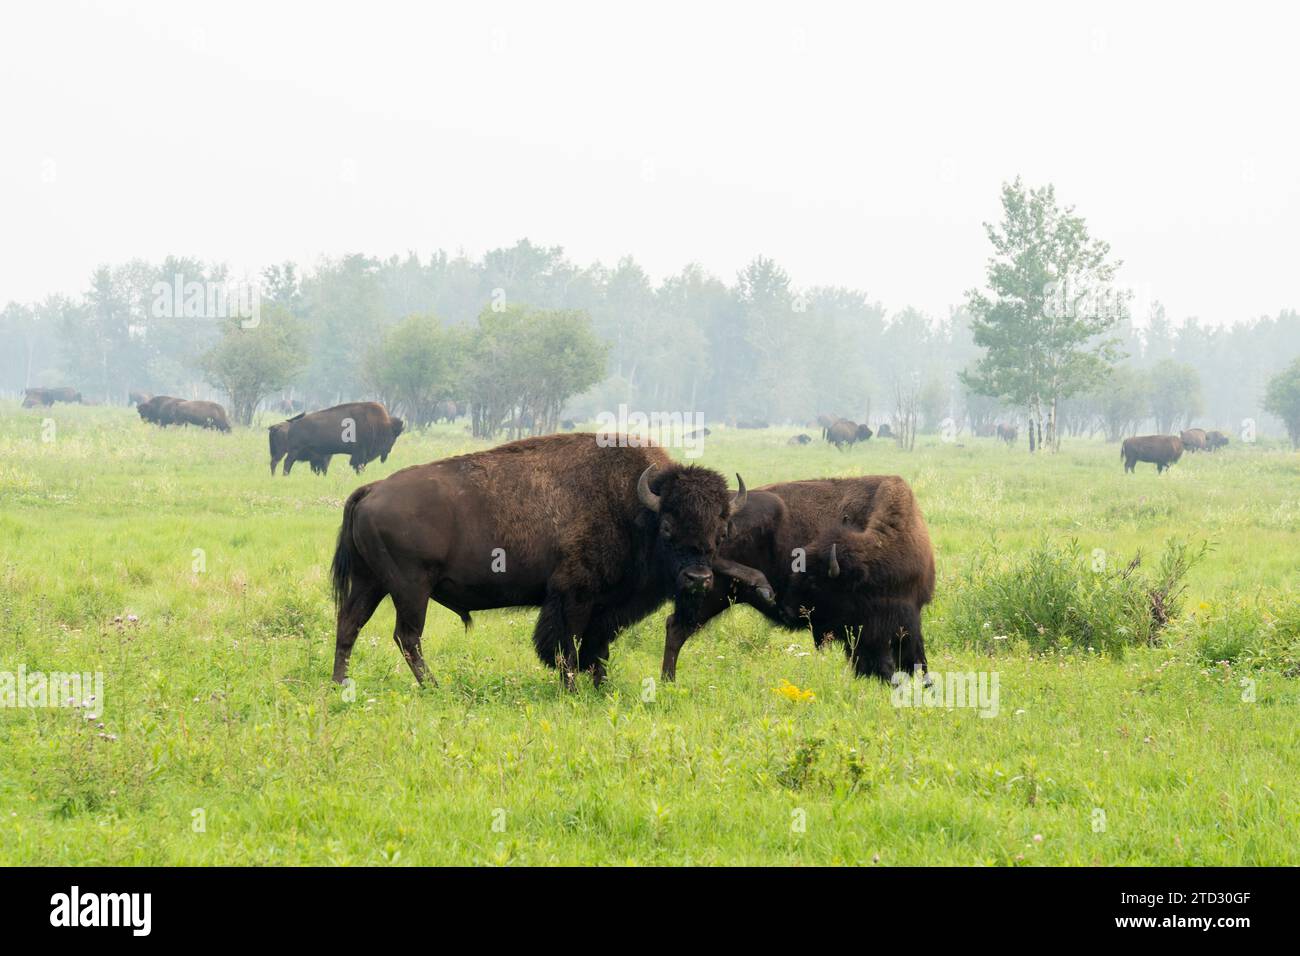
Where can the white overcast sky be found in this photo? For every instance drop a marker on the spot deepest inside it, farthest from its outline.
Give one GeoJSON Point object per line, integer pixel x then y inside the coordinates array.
{"type": "Point", "coordinates": [858, 145]}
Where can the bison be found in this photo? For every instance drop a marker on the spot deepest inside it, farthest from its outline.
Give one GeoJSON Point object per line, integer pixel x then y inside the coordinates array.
{"type": "Point", "coordinates": [363, 431]}
{"type": "Point", "coordinates": [849, 558]}
{"type": "Point", "coordinates": [448, 411]}
{"type": "Point", "coordinates": [846, 432]}
{"type": "Point", "coordinates": [1214, 440]}
{"type": "Point", "coordinates": [1193, 439]}
{"type": "Point", "coordinates": [48, 396]}
{"type": "Point", "coordinates": [1007, 433]}
{"type": "Point", "coordinates": [800, 439]}
{"type": "Point", "coordinates": [885, 431]}
{"type": "Point", "coordinates": [596, 534]}
{"type": "Point", "coordinates": [201, 414]}
{"type": "Point", "coordinates": [160, 410]}
{"type": "Point", "coordinates": [1161, 450]}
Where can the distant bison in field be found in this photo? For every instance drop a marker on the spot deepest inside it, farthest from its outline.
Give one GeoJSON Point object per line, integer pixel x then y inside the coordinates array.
{"type": "Point", "coordinates": [159, 410]}
{"type": "Point", "coordinates": [849, 559]}
{"type": "Point", "coordinates": [363, 431]}
{"type": "Point", "coordinates": [449, 411]}
{"type": "Point", "coordinates": [33, 397]}
{"type": "Point", "coordinates": [288, 406]}
{"type": "Point", "coordinates": [1214, 440]}
{"type": "Point", "coordinates": [1007, 433]}
{"type": "Point", "coordinates": [799, 439]}
{"type": "Point", "coordinates": [846, 432]}
{"type": "Point", "coordinates": [885, 431]}
{"type": "Point", "coordinates": [201, 414]}
{"type": "Point", "coordinates": [1193, 439]}
{"type": "Point", "coordinates": [1160, 450]}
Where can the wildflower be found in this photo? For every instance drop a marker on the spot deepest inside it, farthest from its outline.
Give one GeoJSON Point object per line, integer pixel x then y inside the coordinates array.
{"type": "Point", "coordinates": [791, 692]}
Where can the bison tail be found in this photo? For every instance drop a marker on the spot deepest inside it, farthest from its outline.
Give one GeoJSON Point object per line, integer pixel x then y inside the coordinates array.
{"type": "Point", "coordinates": [345, 551]}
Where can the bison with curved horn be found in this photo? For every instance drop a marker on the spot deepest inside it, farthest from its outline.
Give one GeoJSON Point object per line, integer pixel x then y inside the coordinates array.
{"type": "Point", "coordinates": [594, 530]}
{"type": "Point", "coordinates": [849, 558]}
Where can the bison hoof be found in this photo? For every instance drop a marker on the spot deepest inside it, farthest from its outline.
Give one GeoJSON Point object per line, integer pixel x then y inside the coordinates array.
{"type": "Point", "coordinates": [768, 595]}
{"type": "Point", "coordinates": [897, 678]}
{"type": "Point", "coordinates": [927, 681]}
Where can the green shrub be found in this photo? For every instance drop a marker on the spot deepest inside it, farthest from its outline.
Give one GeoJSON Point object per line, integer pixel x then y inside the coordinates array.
{"type": "Point", "coordinates": [1055, 596]}
{"type": "Point", "coordinates": [1249, 635]}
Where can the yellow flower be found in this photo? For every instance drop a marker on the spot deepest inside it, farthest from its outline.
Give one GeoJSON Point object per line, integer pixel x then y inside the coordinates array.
{"type": "Point", "coordinates": [791, 692]}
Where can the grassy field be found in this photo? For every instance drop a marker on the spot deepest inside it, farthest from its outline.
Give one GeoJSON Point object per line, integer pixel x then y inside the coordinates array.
{"type": "Point", "coordinates": [173, 563]}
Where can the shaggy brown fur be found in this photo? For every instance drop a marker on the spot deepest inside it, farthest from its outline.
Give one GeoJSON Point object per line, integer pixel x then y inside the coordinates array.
{"type": "Point", "coordinates": [200, 414]}
{"type": "Point", "coordinates": [556, 521]}
{"type": "Point", "coordinates": [885, 569]}
{"type": "Point", "coordinates": [48, 396]}
{"type": "Point", "coordinates": [846, 432]}
{"type": "Point", "coordinates": [316, 436]}
{"type": "Point", "coordinates": [1193, 439]}
{"type": "Point", "coordinates": [1161, 450]}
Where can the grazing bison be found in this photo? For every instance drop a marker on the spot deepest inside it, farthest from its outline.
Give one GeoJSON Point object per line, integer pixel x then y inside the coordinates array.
{"type": "Point", "coordinates": [845, 432]}
{"type": "Point", "coordinates": [201, 414]}
{"type": "Point", "coordinates": [799, 439]}
{"type": "Point", "coordinates": [48, 396]}
{"type": "Point", "coordinates": [597, 535]}
{"type": "Point", "coordinates": [1214, 440]}
{"type": "Point", "coordinates": [1161, 450]}
{"type": "Point", "coordinates": [1007, 433]}
{"type": "Point", "coordinates": [1193, 440]}
{"type": "Point", "coordinates": [849, 558]}
{"type": "Point", "coordinates": [361, 430]}
{"type": "Point", "coordinates": [160, 410]}
{"type": "Point", "coordinates": [885, 431]}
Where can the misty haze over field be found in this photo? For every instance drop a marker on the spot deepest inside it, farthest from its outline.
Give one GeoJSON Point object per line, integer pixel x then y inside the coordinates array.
{"type": "Point", "coordinates": [658, 162]}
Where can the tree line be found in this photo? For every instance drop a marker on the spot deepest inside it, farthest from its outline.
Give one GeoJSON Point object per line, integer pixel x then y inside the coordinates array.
{"type": "Point", "coordinates": [525, 335]}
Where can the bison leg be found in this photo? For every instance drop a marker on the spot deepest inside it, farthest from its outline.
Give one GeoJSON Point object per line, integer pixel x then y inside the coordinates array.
{"type": "Point", "coordinates": [593, 652]}
{"type": "Point", "coordinates": [880, 648]}
{"type": "Point", "coordinates": [675, 634]}
{"type": "Point", "coordinates": [360, 605]}
{"type": "Point", "coordinates": [562, 619]}
{"type": "Point", "coordinates": [411, 606]}
{"type": "Point", "coordinates": [289, 459]}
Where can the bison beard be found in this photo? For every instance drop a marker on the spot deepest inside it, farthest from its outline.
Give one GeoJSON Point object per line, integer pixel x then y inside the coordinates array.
{"type": "Point", "coordinates": [598, 537]}
{"type": "Point", "coordinates": [870, 570]}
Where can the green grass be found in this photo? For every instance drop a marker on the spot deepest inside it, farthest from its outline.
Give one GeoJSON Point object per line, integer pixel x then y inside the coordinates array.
{"type": "Point", "coordinates": [218, 697]}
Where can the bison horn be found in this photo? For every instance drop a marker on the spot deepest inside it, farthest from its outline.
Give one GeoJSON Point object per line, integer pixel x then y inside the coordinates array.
{"type": "Point", "coordinates": [742, 496]}
{"type": "Point", "coordinates": [648, 497]}
{"type": "Point", "coordinates": [834, 570]}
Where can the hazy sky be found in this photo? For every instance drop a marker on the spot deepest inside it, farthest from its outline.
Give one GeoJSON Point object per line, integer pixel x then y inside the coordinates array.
{"type": "Point", "coordinates": [859, 147]}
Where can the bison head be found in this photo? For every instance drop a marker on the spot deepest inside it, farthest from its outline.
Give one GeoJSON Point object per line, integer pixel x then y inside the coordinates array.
{"type": "Point", "coordinates": [692, 509]}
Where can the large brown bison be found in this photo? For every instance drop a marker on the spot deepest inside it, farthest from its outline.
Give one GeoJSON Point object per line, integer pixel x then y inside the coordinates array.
{"type": "Point", "coordinates": [849, 558]}
{"type": "Point", "coordinates": [201, 414]}
{"type": "Point", "coordinates": [1215, 439]}
{"type": "Point", "coordinates": [160, 410]}
{"type": "Point", "coordinates": [597, 535]}
{"type": "Point", "coordinates": [1193, 439]}
{"type": "Point", "coordinates": [363, 431]}
{"type": "Point", "coordinates": [1161, 450]}
{"type": "Point", "coordinates": [846, 432]}
{"type": "Point", "coordinates": [33, 397]}
{"type": "Point", "coordinates": [1007, 433]}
